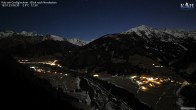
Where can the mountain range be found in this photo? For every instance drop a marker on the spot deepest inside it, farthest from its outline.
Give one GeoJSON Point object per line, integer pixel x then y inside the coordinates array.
{"type": "Point", "coordinates": [164, 46]}
{"type": "Point", "coordinates": [119, 53]}
{"type": "Point", "coordinates": [75, 41]}
{"type": "Point", "coordinates": [133, 52]}
{"type": "Point", "coordinates": [33, 45]}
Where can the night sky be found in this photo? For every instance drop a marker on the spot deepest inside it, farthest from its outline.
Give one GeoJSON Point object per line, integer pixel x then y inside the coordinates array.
{"type": "Point", "coordinates": [89, 19]}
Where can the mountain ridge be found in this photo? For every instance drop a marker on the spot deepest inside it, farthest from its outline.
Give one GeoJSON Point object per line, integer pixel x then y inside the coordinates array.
{"type": "Point", "coordinates": [115, 53]}
{"type": "Point", "coordinates": [75, 41]}
{"type": "Point", "coordinates": [160, 31]}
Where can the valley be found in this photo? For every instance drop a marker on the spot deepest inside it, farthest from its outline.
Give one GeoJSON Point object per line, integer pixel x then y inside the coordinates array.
{"type": "Point", "coordinates": [143, 68]}
{"type": "Point", "coordinates": [157, 90]}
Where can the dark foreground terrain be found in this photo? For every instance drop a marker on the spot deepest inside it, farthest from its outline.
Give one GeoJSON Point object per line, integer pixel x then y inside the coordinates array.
{"type": "Point", "coordinates": [21, 89]}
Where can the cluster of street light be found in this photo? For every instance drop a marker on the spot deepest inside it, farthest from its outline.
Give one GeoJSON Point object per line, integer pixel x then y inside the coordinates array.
{"type": "Point", "coordinates": [157, 66]}
{"type": "Point", "coordinates": [41, 69]}
{"type": "Point", "coordinates": [51, 63]}
{"type": "Point", "coordinates": [38, 69]}
{"type": "Point", "coordinates": [145, 82]}
{"type": "Point", "coordinates": [96, 75]}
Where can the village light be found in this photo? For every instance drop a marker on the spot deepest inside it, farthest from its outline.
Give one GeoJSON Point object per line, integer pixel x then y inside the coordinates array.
{"type": "Point", "coordinates": [95, 75]}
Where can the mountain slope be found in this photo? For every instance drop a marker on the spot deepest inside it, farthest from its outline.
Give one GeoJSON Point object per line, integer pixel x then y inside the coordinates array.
{"type": "Point", "coordinates": [114, 53]}
{"type": "Point", "coordinates": [49, 48]}
{"type": "Point", "coordinates": [32, 46]}
{"type": "Point", "coordinates": [24, 90]}
{"type": "Point", "coordinates": [186, 65]}
{"type": "Point", "coordinates": [149, 31]}
{"type": "Point", "coordinates": [77, 42]}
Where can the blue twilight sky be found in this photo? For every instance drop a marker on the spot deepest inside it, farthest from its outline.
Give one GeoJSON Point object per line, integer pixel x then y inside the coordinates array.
{"type": "Point", "coordinates": [89, 19]}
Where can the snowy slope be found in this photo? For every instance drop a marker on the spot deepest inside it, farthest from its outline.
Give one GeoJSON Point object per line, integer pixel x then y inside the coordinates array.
{"type": "Point", "coordinates": [77, 42]}
{"type": "Point", "coordinates": [25, 33]}
{"type": "Point", "coordinates": [150, 32]}
{"type": "Point", "coordinates": [180, 33]}
{"type": "Point", "coordinates": [6, 34]}
{"type": "Point", "coordinates": [53, 37]}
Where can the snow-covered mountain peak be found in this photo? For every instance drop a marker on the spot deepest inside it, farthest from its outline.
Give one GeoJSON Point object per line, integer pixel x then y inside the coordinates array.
{"type": "Point", "coordinates": [25, 33]}
{"type": "Point", "coordinates": [54, 37]}
{"type": "Point", "coordinates": [142, 28]}
{"type": "Point", "coordinates": [150, 32]}
{"type": "Point", "coordinates": [77, 41]}
{"type": "Point", "coordinates": [6, 33]}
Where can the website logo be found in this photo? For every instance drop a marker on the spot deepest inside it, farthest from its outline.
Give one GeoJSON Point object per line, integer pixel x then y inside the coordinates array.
{"type": "Point", "coordinates": [187, 6]}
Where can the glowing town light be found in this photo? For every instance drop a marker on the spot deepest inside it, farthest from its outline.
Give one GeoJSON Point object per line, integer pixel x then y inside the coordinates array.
{"type": "Point", "coordinates": [185, 83]}
{"type": "Point", "coordinates": [60, 73]}
{"type": "Point", "coordinates": [66, 74]}
{"type": "Point", "coordinates": [95, 75]}
{"type": "Point", "coordinates": [161, 80]}
{"type": "Point", "coordinates": [150, 79]}
{"type": "Point", "coordinates": [143, 88]}
{"type": "Point", "coordinates": [59, 65]}
{"type": "Point", "coordinates": [133, 77]}
{"type": "Point", "coordinates": [150, 82]}
{"type": "Point", "coordinates": [139, 83]}
{"type": "Point", "coordinates": [157, 66]}
{"type": "Point", "coordinates": [143, 77]}
{"type": "Point", "coordinates": [32, 67]}
{"type": "Point", "coordinates": [145, 82]}
{"type": "Point", "coordinates": [151, 85]}
{"type": "Point", "coordinates": [39, 70]}
{"type": "Point", "coordinates": [53, 63]}
{"type": "Point", "coordinates": [157, 83]}
{"type": "Point", "coordinates": [153, 64]}
{"type": "Point", "coordinates": [24, 60]}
